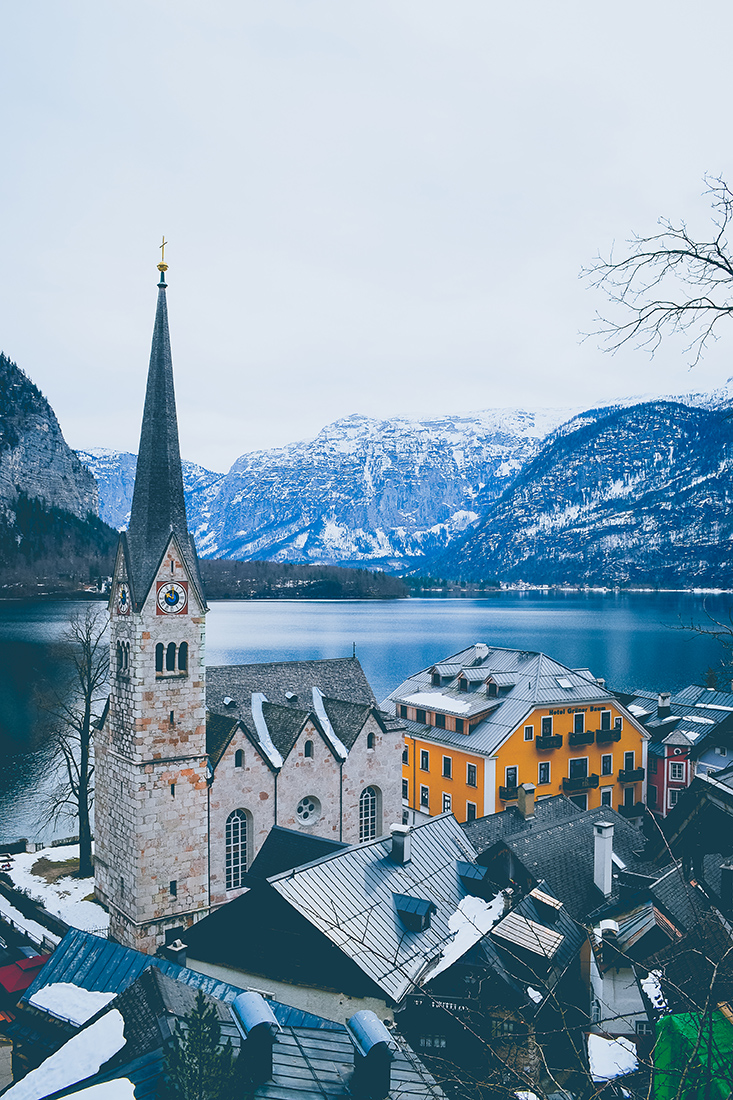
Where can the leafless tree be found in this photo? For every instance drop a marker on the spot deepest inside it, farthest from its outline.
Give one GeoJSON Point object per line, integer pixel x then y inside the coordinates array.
{"type": "Point", "coordinates": [71, 707]}
{"type": "Point", "coordinates": [669, 282]}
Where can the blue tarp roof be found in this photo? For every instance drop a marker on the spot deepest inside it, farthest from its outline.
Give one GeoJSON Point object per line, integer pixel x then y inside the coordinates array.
{"type": "Point", "coordinates": [92, 963]}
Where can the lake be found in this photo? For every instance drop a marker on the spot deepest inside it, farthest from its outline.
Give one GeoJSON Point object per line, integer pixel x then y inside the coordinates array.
{"type": "Point", "coordinates": [634, 640]}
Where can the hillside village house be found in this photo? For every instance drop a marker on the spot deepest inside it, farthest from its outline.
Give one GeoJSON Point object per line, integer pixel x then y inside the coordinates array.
{"type": "Point", "coordinates": [485, 720]}
{"type": "Point", "coordinates": [690, 733]}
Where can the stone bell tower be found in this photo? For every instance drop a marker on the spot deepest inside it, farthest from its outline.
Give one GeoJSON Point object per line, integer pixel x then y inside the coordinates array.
{"type": "Point", "coordinates": [151, 862]}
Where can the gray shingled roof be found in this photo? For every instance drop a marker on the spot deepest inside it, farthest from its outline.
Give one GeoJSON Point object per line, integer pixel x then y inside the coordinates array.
{"type": "Point", "coordinates": [158, 506]}
{"type": "Point", "coordinates": [562, 854]}
{"type": "Point", "coordinates": [483, 832]}
{"type": "Point", "coordinates": [537, 683]}
{"type": "Point", "coordinates": [698, 715]}
{"type": "Point", "coordinates": [341, 680]}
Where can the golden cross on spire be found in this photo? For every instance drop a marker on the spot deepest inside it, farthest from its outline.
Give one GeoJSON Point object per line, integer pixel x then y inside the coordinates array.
{"type": "Point", "coordinates": [162, 266]}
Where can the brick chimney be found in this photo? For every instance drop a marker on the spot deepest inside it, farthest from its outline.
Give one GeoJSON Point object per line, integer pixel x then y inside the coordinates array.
{"type": "Point", "coordinates": [525, 800]}
{"type": "Point", "coordinates": [603, 856]}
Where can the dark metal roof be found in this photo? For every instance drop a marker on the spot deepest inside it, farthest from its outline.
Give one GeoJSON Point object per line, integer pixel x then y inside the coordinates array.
{"type": "Point", "coordinates": [284, 849]}
{"type": "Point", "coordinates": [92, 963]}
{"type": "Point", "coordinates": [158, 506]}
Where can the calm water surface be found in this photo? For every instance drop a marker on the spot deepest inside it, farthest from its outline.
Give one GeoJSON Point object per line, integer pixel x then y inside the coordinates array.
{"type": "Point", "coordinates": [631, 639]}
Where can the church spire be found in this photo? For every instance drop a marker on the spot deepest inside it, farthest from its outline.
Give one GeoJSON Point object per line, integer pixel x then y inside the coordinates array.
{"type": "Point", "coordinates": [158, 506]}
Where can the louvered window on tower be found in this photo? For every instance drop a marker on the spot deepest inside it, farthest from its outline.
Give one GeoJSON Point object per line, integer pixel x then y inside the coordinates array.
{"type": "Point", "coordinates": [183, 657]}
{"type": "Point", "coordinates": [170, 657]}
{"type": "Point", "coordinates": [414, 913]}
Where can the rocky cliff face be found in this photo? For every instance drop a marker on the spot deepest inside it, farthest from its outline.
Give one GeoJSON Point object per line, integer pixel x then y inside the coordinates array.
{"type": "Point", "coordinates": [629, 495]}
{"type": "Point", "coordinates": [34, 456]}
{"type": "Point", "coordinates": [363, 491]}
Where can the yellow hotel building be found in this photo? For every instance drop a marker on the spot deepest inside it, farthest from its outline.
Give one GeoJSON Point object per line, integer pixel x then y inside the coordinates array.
{"type": "Point", "coordinates": [486, 720]}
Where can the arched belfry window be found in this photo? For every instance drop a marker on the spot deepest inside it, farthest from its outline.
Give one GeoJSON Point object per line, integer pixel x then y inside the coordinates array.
{"type": "Point", "coordinates": [369, 814]}
{"type": "Point", "coordinates": [159, 651]}
{"type": "Point", "coordinates": [239, 759]}
{"type": "Point", "coordinates": [236, 848]}
{"type": "Point", "coordinates": [120, 658]}
{"type": "Point", "coordinates": [308, 749]}
{"type": "Point", "coordinates": [170, 657]}
{"type": "Point", "coordinates": [183, 657]}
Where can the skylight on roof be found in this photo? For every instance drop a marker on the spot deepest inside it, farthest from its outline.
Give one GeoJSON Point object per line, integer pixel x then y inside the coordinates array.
{"type": "Point", "coordinates": [563, 682]}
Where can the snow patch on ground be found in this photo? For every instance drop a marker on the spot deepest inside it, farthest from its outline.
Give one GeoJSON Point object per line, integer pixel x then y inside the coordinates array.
{"type": "Point", "coordinates": [472, 919]}
{"type": "Point", "coordinates": [610, 1058]}
{"type": "Point", "coordinates": [33, 930]}
{"type": "Point", "coordinates": [64, 897]}
{"type": "Point", "coordinates": [83, 1055]}
{"type": "Point", "coordinates": [70, 1002]}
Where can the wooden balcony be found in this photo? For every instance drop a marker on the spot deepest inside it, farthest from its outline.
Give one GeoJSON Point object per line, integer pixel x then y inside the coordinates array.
{"type": "Point", "coordinates": [508, 794]}
{"type": "Point", "coordinates": [586, 738]}
{"type": "Point", "coordinates": [602, 736]}
{"type": "Point", "coordinates": [542, 744]}
{"type": "Point", "coordinates": [635, 810]}
{"type": "Point", "coordinates": [631, 775]}
{"type": "Point", "coordinates": [583, 784]}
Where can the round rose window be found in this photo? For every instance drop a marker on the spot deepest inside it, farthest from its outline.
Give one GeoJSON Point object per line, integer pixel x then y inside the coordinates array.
{"type": "Point", "coordinates": [308, 810]}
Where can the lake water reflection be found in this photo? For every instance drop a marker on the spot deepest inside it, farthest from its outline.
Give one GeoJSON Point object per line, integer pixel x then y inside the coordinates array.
{"type": "Point", "coordinates": [629, 638]}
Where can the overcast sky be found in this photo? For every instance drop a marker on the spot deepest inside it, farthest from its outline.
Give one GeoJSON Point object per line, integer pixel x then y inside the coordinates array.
{"type": "Point", "coordinates": [373, 206]}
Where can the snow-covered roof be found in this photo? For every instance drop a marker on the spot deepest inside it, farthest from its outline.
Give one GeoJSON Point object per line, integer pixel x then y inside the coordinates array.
{"type": "Point", "coordinates": [70, 1002]}
{"type": "Point", "coordinates": [83, 1055]}
{"type": "Point", "coordinates": [610, 1058]}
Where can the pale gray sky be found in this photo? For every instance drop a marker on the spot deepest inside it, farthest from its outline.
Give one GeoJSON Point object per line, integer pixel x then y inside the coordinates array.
{"type": "Point", "coordinates": [374, 206]}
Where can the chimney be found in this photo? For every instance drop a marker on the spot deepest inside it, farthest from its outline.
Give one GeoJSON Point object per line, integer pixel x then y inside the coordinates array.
{"type": "Point", "coordinates": [610, 951]}
{"type": "Point", "coordinates": [602, 856]}
{"type": "Point", "coordinates": [373, 1053]}
{"type": "Point", "coordinates": [258, 1027]}
{"type": "Point", "coordinates": [176, 952]}
{"type": "Point", "coordinates": [401, 843]}
{"type": "Point", "coordinates": [525, 800]}
{"type": "Point", "coordinates": [664, 704]}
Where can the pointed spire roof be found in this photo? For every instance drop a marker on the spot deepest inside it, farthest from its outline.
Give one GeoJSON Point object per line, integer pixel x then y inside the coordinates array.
{"type": "Point", "coordinates": [158, 506]}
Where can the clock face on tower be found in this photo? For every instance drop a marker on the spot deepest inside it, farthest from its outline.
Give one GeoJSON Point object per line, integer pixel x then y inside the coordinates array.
{"type": "Point", "coordinates": [172, 597]}
{"type": "Point", "coordinates": [123, 599]}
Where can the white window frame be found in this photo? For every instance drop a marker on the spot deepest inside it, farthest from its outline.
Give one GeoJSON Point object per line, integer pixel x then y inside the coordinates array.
{"type": "Point", "coordinates": [424, 797]}
{"type": "Point", "coordinates": [475, 772]}
{"type": "Point", "coordinates": [721, 750]}
{"type": "Point", "coordinates": [475, 811]}
{"type": "Point", "coordinates": [632, 754]}
{"type": "Point", "coordinates": [424, 755]}
{"type": "Point", "coordinates": [447, 803]}
{"type": "Point", "coordinates": [610, 720]}
{"type": "Point", "coordinates": [529, 733]}
{"type": "Point", "coordinates": [575, 760]}
{"type": "Point", "coordinates": [546, 718]}
{"type": "Point", "coordinates": [608, 792]}
{"type": "Point", "coordinates": [673, 795]}
{"type": "Point", "coordinates": [676, 764]}
{"type": "Point", "coordinates": [447, 774]}
{"type": "Point", "coordinates": [514, 768]}
{"type": "Point", "coordinates": [544, 764]}
{"type": "Point", "coordinates": [609, 756]}
{"type": "Point", "coordinates": [618, 722]}
{"type": "Point", "coordinates": [579, 714]}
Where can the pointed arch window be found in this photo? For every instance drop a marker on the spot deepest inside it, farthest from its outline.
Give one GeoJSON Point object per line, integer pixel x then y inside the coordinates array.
{"type": "Point", "coordinates": [170, 657]}
{"type": "Point", "coordinates": [159, 652]}
{"type": "Point", "coordinates": [369, 814]}
{"type": "Point", "coordinates": [236, 849]}
{"type": "Point", "coordinates": [183, 657]}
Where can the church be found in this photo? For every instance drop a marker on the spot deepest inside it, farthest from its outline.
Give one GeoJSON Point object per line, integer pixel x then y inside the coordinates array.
{"type": "Point", "coordinates": [193, 765]}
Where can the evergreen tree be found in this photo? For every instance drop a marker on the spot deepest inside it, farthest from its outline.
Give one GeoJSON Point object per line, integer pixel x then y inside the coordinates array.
{"type": "Point", "coordinates": [197, 1066]}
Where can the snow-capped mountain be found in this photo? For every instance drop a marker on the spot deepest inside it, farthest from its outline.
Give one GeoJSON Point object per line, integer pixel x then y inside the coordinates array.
{"type": "Point", "coordinates": [638, 494]}
{"type": "Point", "coordinates": [363, 491]}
